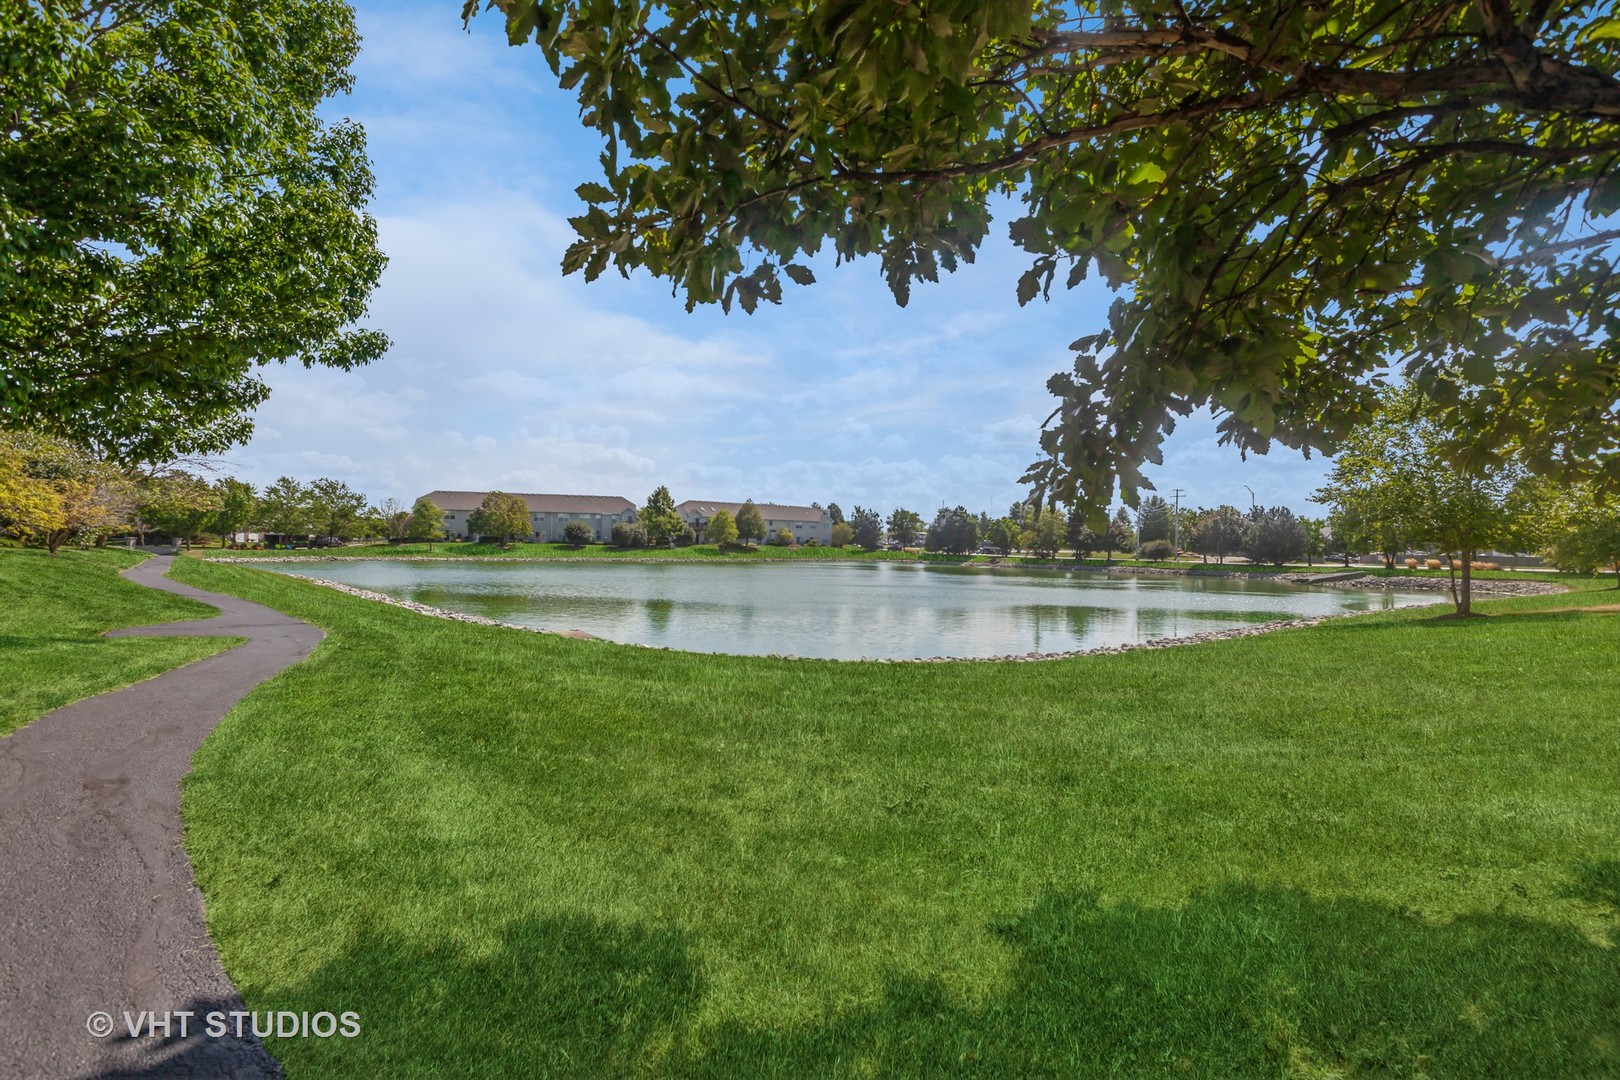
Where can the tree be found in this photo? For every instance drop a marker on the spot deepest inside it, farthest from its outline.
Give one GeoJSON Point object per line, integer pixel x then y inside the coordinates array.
{"type": "Point", "coordinates": [868, 528]}
{"type": "Point", "coordinates": [843, 534]}
{"type": "Point", "coordinates": [1217, 533]}
{"type": "Point", "coordinates": [1050, 530]}
{"type": "Point", "coordinates": [53, 491]}
{"type": "Point", "coordinates": [1584, 533]}
{"type": "Point", "coordinates": [335, 508]}
{"type": "Point", "coordinates": [284, 508]}
{"type": "Point", "coordinates": [578, 533]}
{"type": "Point", "coordinates": [1081, 539]}
{"type": "Point", "coordinates": [501, 515]}
{"type": "Point", "coordinates": [427, 521]}
{"type": "Point", "coordinates": [179, 503]}
{"type": "Point", "coordinates": [835, 514]}
{"type": "Point", "coordinates": [1315, 538]}
{"type": "Point", "coordinates": [904, 526]}
{"type": "Point", "coordinates": [1153, 520]}
{"type": "Point", "coordinates": [1005, 533]}
{"type": "Point", "coordinates": [953, 531]}
{"type": "Point", "coordinates": [238, 505]}
{"type": "Point", "coordinates": [1121, 537]}
{"type": "Point", "coordinates": [390, 519]}
{"type": "Point", "coordinates": [1273, 536]}
{"type": "Point", "coordinates": [1403, 472]}
{"type": "Point", "coordinates": [1291, 198]}
{"type": "Point", "coordinates": [166, 178]}
{"type": "Point", "coordinates": [721, 529]}
{"type": "Point", "coordinates": [750, 522]}
{"type": "Point", "coordinates": [784, 537]}
{"type": "Point", "coordinates": [660, 519]}
{"type": "Point", "coordinates": [630, 534]}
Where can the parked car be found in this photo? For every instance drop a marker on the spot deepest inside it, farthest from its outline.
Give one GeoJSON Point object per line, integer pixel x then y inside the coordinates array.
{"type": "Point", "coordinates": [326, 542]}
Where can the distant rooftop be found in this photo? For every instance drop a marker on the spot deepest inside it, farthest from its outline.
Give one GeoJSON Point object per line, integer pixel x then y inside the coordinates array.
{"type": "Point", "coordinates": [537, 503]}
{"type": "Point", "coordinates": [771, 511]}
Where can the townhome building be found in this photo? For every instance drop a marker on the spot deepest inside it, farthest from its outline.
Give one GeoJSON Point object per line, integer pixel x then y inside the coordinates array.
{"type": "Point", "coordinates": [548, 514]}
{"type": "Point", "coordinates": [804, 522]}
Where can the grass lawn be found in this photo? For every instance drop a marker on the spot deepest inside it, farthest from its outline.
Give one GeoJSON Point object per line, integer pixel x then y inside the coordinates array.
{"type": "Point", "coordinates": [1386, 846]}
{"type": "Point", "coordinates": [52, 611]}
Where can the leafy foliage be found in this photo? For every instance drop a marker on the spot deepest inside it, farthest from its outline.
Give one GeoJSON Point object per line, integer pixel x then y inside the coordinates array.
{"type": "Point", "coordinates": [659, 518]}
{"type": "Point", "coordinates": [1292, 198]}
{"type": "Point", "coordinates": [500, 515]}
{"type": "Point", "coordinates": [868, 526]}
{"type": "Point", "coordinates": [721, 529]}
{"type": "Point", "coordinates": [904, 526]}
{"type": "Point", "coordinates": [750, 522]}
{"type": "Point", "coordinates": [953, 531]}
{"type": "Point", "coordinates": [1403, 474]}
{"type": "Point", "coordinates": [843, 534]}
{"type": "Point", "coordinates": [629, 534]}
{"type": "Point", "coordinates": [1273, 536]}
{"type": "Point", "coordinates": [578, 533]}
{"type": "Point", "coordinates": [427, 520]}
{"type": "Point", "coordinates": [174, 213]}
{"type": "Point", "coordinates": [1584, 533]}
{"type": "Point", "coordinates": [1217, 533]}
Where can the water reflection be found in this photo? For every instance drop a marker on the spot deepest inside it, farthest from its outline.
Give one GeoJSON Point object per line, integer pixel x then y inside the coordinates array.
{"type": "Point", "coordinates": [849, 610]}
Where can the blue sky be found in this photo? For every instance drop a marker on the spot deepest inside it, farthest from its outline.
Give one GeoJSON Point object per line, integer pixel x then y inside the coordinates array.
{"type": "Point", "coordinates": [504, 374]}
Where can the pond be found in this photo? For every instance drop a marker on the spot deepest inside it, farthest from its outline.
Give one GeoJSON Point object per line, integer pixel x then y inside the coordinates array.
{"type": "Point", "coordinates": [848, 610]}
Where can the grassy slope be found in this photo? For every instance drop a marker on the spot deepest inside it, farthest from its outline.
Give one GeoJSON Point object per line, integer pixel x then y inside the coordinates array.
{"type": "Point", "coordinates": [51, 613]}
{"type": "Point", "coordinates": [1387, 846]}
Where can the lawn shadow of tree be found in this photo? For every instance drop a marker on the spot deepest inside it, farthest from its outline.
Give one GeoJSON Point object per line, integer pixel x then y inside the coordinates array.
{"type": "Point", "coordinates": [1240, 982]}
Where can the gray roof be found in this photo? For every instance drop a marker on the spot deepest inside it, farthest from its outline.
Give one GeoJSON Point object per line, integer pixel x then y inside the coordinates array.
{"type": "Point", "coordinates": [705, 508]}
{"type": "Point", "coordinates": [538, 504]}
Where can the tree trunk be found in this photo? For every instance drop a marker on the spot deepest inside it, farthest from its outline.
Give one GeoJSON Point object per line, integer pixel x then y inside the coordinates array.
{"type": "Point", "coordinates": [1466, 607]}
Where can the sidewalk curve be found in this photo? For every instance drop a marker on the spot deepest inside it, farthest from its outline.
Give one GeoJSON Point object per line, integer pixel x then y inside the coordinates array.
{"type": "Point", "coordinates": [99, 911]}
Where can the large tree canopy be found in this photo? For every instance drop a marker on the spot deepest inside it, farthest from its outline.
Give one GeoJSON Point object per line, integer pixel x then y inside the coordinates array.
{"type": "Point", "coordinates": [1293, 198]}
{"type": "Point", "coordinates": [173, 213]}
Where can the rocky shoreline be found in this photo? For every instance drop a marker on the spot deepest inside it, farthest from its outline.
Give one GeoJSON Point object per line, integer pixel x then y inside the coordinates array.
{"type": "Point", "coordinates": [1019, 658]}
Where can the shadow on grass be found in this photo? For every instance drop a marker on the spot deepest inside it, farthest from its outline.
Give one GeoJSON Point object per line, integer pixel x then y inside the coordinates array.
{"type": "Point", "coordinates": [1240, 982]}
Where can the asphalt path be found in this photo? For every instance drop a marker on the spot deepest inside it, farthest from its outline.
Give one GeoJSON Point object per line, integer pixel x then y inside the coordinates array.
{"type": "Point", "coordinates": [99, 910]}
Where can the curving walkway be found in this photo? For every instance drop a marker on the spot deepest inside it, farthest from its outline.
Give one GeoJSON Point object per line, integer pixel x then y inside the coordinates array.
{"type": "Point", "coordinates": [99, 910]}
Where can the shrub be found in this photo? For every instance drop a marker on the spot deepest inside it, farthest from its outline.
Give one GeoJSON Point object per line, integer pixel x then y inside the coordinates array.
{"type": "Point", "coordinates": [687, 536]}
{"type": "Point", "coordinates": [578, 533]}
{"type": "Point", "coordinates": [629, 534]}
{"type": "Point", "coordinates": [812, 542]}
{"type": "Point", "coordinates": [1157, 551]}
{"type": "Point", "coordinates": [784, 537]}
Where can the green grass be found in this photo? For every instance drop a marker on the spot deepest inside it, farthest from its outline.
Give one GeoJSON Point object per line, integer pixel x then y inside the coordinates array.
{"type": "Point", "coordinates": [52, 611]}
{"type": "Point", "coordinates": [1382, 847]}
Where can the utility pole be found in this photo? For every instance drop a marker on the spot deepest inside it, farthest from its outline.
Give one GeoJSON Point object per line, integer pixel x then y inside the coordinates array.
{"type": "Point", "coordinates": [1177, 493]}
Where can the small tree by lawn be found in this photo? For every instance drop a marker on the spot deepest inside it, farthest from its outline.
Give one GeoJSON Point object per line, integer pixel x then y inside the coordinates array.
{"type": "Point", "coordinates": [1218, 533]}
{"type": "Point", "coordinates": [1584, 534]}
{"type": "Point", "coordinates": [427, 521]}
{"type": "Point", "coordinates": [629, 534]}
{"type": "Point", "coordinates": [1121, 537]}
{"type": "Point", "coordinates": [868, 528]}
{"type": "Point", "coordinates": [1399, 475]}
{"type": "Point", "coordinates": [905, 526]}
{"type": "Point", "coordinates": [179, 503]}
{"type": "Point", "coordinates": [843, 534]}
{"type": "Point", "coordinates": [500, 515]}
{"type": "Point", "coordinates": [721, 529]}
{"type": "Point", "coordinates": [1047, 535]}
{"type": "Point", "coordinates": [578, 533]}
{"type": "Point", "coordinates": [1273, 536]}
{"type": "Point", "coordinates": [660, 519]}
{"type": "Point", "coordinates": [750, 522]}
{"type": "Point", "coordinates": [783, 538]}
{"type": "Point", "coordinates": [238, 503]}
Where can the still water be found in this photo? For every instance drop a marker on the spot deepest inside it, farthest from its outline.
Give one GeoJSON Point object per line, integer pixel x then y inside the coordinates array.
{"type": "Point", "coordinates": [848, 610]}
